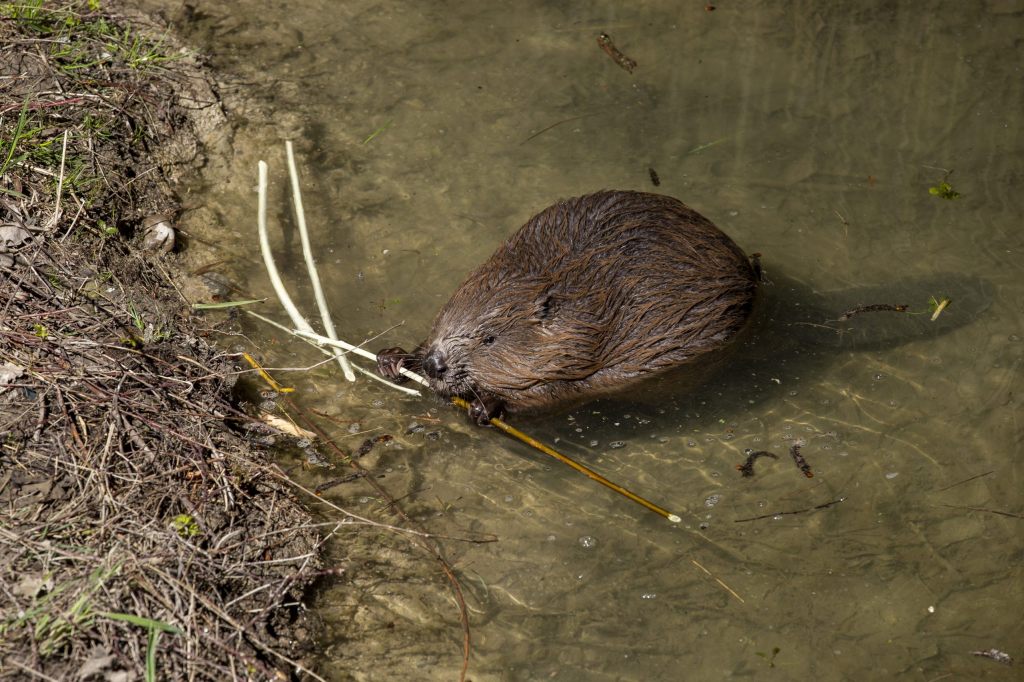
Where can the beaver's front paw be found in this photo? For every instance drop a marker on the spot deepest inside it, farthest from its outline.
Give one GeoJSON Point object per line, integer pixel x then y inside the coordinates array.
{"type": "Point", "coordinates": [391, 360]}
{"type": "Point", "coordinates": [483, 410]}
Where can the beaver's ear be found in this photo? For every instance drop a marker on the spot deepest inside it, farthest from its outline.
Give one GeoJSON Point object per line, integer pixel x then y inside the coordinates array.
{"type": "Point", "coordinates": [547, 308]}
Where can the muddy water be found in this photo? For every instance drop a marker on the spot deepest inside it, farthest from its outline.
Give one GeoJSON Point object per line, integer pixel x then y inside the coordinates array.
{"type": "Point", "coordinates": [810, 132]}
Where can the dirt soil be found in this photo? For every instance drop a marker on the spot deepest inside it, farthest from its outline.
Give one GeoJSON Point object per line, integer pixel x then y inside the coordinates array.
{"type": "Point", "coordinates": [144, 533]}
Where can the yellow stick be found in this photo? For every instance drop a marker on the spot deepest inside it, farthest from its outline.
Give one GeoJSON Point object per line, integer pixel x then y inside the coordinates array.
{"type": "Point", "coordinates": [516, 433]}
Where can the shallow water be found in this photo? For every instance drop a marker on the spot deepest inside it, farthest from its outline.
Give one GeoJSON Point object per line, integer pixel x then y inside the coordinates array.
{"type": "Point", "coordinates": [810, 132]}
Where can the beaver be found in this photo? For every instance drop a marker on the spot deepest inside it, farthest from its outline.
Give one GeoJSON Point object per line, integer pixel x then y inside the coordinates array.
{"type": "Point", "coordinates": [593, 294]}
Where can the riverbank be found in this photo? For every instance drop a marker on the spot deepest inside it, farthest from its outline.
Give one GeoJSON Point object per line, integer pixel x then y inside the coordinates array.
{"type": "Point", "coordinates": [145, 534]}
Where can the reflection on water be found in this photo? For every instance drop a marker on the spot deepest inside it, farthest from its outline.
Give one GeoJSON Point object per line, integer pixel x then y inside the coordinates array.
{"type": "Point", "coordinates": [810, 132]}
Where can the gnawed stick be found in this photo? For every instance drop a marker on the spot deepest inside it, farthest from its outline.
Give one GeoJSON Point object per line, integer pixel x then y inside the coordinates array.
{"type": "Point", "coordinates": [268, 257]}
{"type": "Point", "coordinates": [367, 373]}
{"type": "Point", "coordinates": [532, 442]}
{"type": "Point", "coordinates": [307, 253]}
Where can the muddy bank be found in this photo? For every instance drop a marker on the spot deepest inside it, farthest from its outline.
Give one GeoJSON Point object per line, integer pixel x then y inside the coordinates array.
{"type": "Point", "coordinates": [143, 532]}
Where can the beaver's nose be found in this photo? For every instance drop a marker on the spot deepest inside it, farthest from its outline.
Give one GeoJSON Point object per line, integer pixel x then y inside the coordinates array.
{"type": "Point", "coordinates": [434, 364]}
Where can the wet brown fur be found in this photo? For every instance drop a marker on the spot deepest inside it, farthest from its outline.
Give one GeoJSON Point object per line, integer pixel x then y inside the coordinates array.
{"type": "Point", "coordinates": [592, 295]}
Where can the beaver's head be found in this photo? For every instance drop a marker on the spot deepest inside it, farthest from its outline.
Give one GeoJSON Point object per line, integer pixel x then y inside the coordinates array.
{"type": "Point", "coordinates": [507, 337]}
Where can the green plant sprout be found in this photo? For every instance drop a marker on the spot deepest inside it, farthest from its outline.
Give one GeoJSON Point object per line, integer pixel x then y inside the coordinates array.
{"type": "Point", "coordinates": [185, 525]}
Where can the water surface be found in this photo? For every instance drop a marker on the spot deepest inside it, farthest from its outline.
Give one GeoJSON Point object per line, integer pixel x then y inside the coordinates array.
{"type": "Point", "coordinates": [811, 133]}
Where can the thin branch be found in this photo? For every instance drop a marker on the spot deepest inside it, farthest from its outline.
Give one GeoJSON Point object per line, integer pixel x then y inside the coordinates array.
{"type": "Point", "coordinates": [307, 252]}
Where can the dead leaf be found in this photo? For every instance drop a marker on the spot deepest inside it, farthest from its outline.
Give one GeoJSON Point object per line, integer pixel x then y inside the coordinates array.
{"type": "Point", "coordinates": [287, 427]}
{"type": "Point", "coordinates": [12, 236]}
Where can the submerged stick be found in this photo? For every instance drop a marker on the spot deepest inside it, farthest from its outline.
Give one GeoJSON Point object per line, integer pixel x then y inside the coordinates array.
{"type": "Point", "coordinates": [826, 505]}
{"type": "Point", "coordinates": [873, 308]}
{"type": "Point", "coordinates": [794, 451]}
{"type": "Point", "coordinates": [747, 468]}
{"type": "Point", "coordinates": [307, 252]}
{"type": "Point", "coordinates": [606, 44]}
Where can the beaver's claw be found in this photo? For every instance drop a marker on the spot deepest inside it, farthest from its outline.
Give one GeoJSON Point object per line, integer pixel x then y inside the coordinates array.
{"type": "Point", "coordinates": [482, 410]}
{"type": "Point", "coordinates": [390, 361]}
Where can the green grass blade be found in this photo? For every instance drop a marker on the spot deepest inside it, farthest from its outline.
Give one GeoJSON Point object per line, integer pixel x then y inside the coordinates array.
{"type": "Point", "coordinates": [140, 621]}
{"type": "Point", "coordinates": [17, 134]}
{"type": "Point", "coordinates": [226, 304]}
{"type": "Point", "coordinates": [154, 637]}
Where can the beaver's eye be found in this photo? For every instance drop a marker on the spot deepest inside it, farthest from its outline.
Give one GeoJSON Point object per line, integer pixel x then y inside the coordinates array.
{"type": "Point", "coordinates": [488, 340]}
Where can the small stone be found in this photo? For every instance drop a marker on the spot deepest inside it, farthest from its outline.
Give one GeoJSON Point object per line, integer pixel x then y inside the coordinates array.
{"type": "Point", "coordinates": [158, 233]}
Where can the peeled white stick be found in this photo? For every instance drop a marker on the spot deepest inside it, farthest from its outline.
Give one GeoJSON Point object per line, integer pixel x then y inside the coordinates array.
{"type": "Point", "coordinates": [60, 182]}
{"type": "Point", "coordinates": [307, 252]}
{"type": "Point", "coordinates": [324, 341]}
{"type": "Point", "coordinates": [268, 258]}
{"type": "Point", "coordinates": [375, 377]}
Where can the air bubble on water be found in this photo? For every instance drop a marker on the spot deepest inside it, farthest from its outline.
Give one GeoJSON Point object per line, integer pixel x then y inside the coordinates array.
{"type": "Point", "coordinates": [616, 444]}
{"type": "Point", "coordinates": [892, 474]}
{"type": "Point", "coordinates": [588, 541]}
{"type": "Point", "coordinates": [594, 443]}
{"type": "Point", "coordinates": [712, 500]}
{"type": "Point", "coordinates": [648, 595]}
